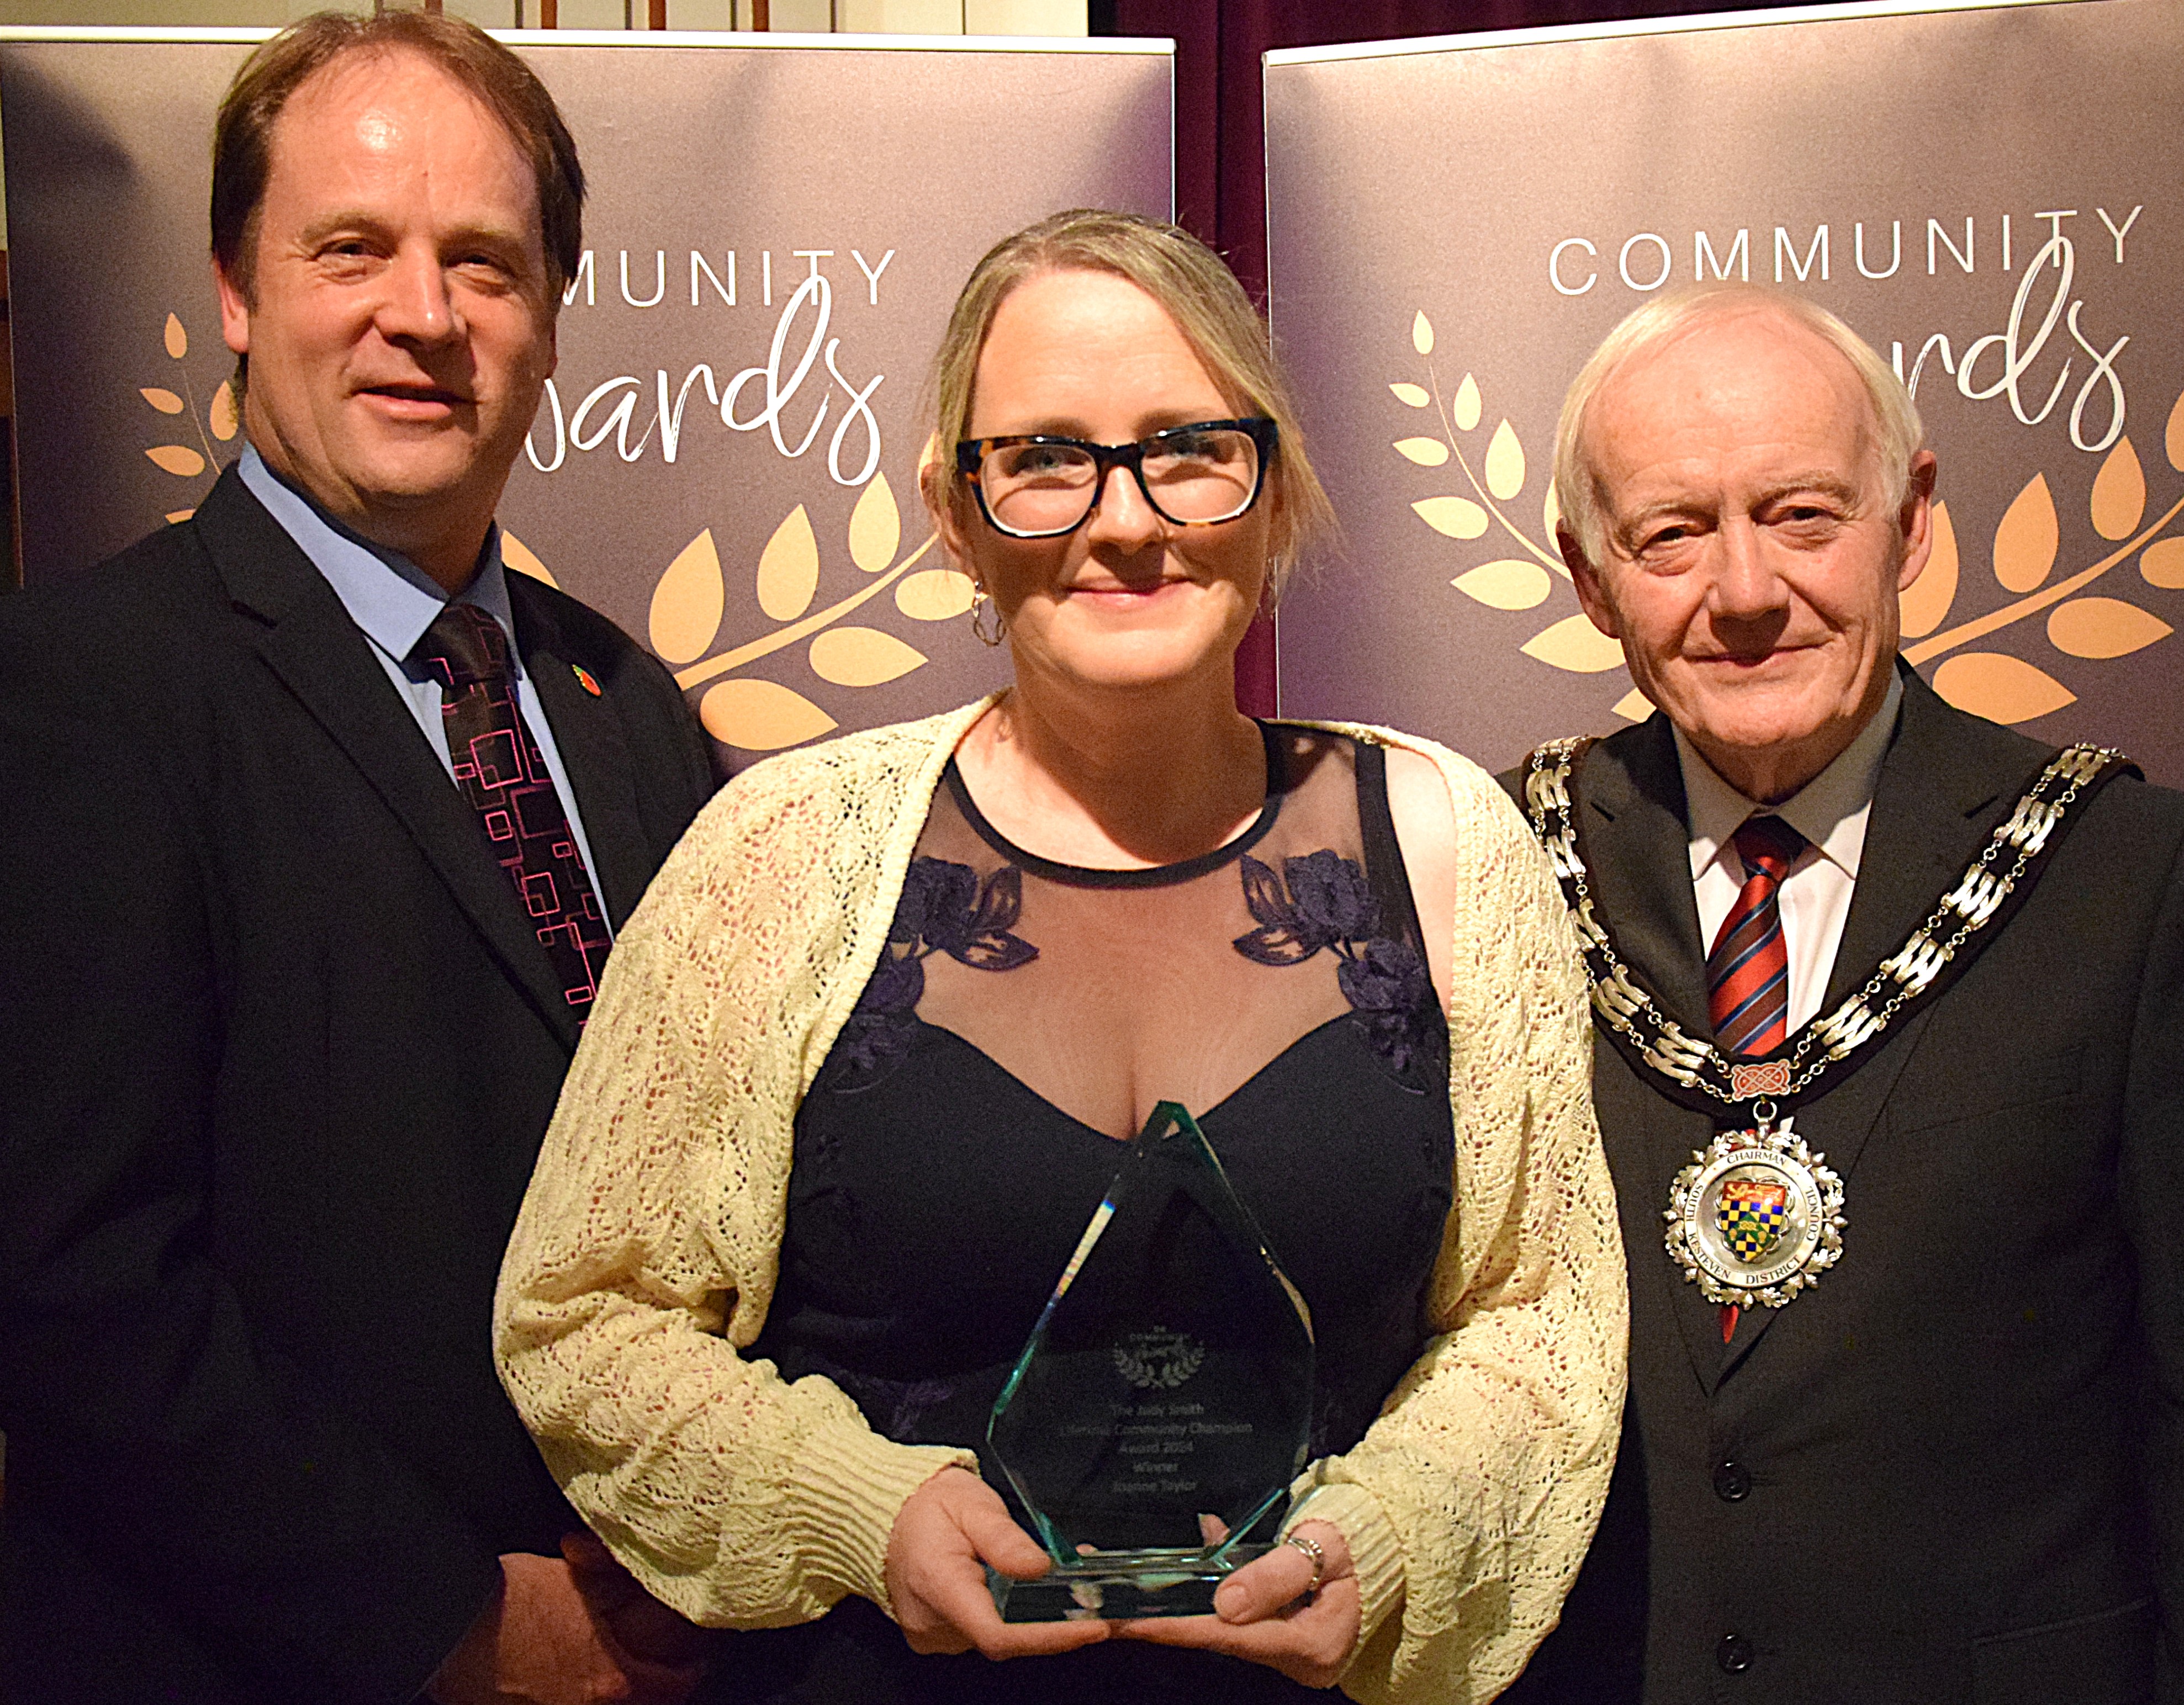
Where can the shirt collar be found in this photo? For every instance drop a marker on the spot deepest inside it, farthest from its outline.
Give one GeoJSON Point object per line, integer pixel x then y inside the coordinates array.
{"type": "Point", "coordinates": [1830, 810]}
{"type": "Point", "coordinates": [386, 594]}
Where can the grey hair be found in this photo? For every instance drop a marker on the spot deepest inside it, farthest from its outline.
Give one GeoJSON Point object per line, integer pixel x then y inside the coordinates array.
{"type": "Point", "coordinates": [1900, 435]}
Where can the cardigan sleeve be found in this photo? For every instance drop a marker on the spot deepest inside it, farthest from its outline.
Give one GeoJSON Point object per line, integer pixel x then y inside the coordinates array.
{"type": "Point", "coordinates": [1468, 1504]}
{"type": "Point", "coordinates": [646, 1253]}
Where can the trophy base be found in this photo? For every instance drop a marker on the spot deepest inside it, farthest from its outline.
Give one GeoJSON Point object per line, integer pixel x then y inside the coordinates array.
{"type": "Point", "coordinates": [1119, 1586]}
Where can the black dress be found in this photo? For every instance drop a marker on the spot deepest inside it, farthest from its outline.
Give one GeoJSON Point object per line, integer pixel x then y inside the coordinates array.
{"type": "Point", "coordinates": [1024, 1016]}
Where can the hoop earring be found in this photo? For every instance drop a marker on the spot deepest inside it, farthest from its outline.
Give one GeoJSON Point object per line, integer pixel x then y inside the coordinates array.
{"type": "Point", "coordinates": [980, 604]}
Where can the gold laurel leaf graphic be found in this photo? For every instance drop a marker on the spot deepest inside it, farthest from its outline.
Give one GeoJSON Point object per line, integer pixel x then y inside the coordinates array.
{"type": "Point", "coordinates": [178, 458]}
{"type": "Point", "coordinates": [861, 657]}
{"type": "Point", "coordinates": [2024, 543]}
{"type": "Point", "coordinates": [875, 526]}
{"type": "Point", "coordinates": [178, 341]}
{"type": "Point", "coordinates": [2163, 565]}
{"type": "Point", "coordinates": [1416, 395]}
{"type": "Point", "coordinates": [761, 716]}
{"type": "Point", "coordinates": [1457, 517]}
{"type": "Point", "coordinates": [687, 602]}
{"type": "Point", "coordinates": [2173, 439]}
{"type": "Point", "coordinates": [1576, 644]}
{"type": "Point", "coordinates": [223, 421]}
{"type": "Point", "coordinates": [788, 570]}
{"type": "Point", "coordinates": [1550, 514]}
{"type": "Point", "coordinates": [934, 595]}
{"type": "Point", "coordinates": [2104, 627]}
{"type": "Point", "coordinates": [2000, 688]}
{"type": "Point", "coordinates": [179, 515]}
{"type": "Point", "coordinates": [2119, 493]}
{"type": "Point", "coordinates": [1465, 409]}
{"type": "Point", "coordinates": [1633, 706]}
{"type": "Point", "coordinates": [1927, 603]}
{"type": "Point", "coordinates": [1505, 463]}
{"type": "Point", "coordinates": [1427, 453]}
{"type": "Point", "coordinates": [1422, 334]}
{"type": "Point", "coordinates": [523, 559]}
{"type": "Point", "coordinates": [1512, 583]}
{"type": "Point", "coordinates": [166, 402]}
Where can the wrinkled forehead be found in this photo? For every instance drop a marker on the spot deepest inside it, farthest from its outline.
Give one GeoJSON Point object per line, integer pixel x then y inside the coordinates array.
{"type": "Point", "coordinates": [1737, 386]}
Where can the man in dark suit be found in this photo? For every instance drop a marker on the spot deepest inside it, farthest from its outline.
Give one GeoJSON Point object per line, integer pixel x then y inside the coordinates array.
{"type": "Point", "coordinates": [318, 827]}
{"type": "Point", "coordinates": [1907, 1325]}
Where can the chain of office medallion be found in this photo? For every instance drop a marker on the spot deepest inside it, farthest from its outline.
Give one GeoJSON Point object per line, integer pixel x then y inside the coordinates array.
{"type": "Point", "coordinates": [1620, 998]}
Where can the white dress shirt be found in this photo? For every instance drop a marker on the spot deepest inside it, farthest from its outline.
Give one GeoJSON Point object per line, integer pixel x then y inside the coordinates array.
{"type": "Point", "coordinates": [1830, 811]}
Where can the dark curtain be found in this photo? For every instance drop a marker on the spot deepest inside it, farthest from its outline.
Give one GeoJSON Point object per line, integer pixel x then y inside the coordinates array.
{"type": "Point", "coordinates": [1220, 159]}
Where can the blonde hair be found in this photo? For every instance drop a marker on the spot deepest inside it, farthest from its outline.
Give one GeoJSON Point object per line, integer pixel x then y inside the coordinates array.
{"type": "Point", "coordinates": [1199, 292]}
{"type": "Point", "coordinates": [1900, 435]}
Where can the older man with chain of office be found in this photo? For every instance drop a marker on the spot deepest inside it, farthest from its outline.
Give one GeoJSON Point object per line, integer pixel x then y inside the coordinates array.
{"type": "Point", "coordinates": [1890, 1011]}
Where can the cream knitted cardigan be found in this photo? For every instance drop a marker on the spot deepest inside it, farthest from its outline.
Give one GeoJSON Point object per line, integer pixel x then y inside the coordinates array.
{"type": "Point", "coordinates": [647, 1251]}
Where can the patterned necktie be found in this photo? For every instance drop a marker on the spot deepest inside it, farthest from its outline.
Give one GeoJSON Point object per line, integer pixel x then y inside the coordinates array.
{"type": "Point", "coordinates": [1748, 972]}
{"type": "Point", "coordinates": [501, 773]}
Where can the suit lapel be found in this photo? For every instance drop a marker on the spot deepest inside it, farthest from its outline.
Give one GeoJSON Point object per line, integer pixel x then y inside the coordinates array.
{"type": "Point", "coordinates": [595, 753]}
{"type": "Point", "coordinates": [1928, 821]}
{"type": "Point", "coordinates": [1637, 853]}
{"type": "Point", "coordinates": [307, 639]}
{"type": "Point", "coordinates": [1934, 805]}
{"type": "Point", "coordinates": [1636, 846]}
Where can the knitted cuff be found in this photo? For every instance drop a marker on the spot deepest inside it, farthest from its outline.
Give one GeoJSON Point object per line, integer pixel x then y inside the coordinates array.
{"type": "Point", "coordinates": [855, 1483]}
{"type": "Point", "coordinates": [1376, 1551]}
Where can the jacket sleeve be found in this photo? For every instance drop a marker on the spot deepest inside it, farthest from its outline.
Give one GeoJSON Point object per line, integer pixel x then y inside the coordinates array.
{"type": "Point", "coordinates": [645, 1255]}
{"type": "Point", "coordinates": [2153, 1190]}
{"type": "Point", "coordinates": [1468, 1504]}
{"type": "Point", "coordinates": [147, 1425]}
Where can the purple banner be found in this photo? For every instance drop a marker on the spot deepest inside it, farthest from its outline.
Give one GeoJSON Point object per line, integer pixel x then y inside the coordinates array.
{"type": "Point", "coordinates": [1992, 196]}
{"type": "Point", "coordinates": [725, 463]}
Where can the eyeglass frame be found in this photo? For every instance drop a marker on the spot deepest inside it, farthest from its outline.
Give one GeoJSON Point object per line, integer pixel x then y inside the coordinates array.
{"type": "Point", "coordinates": [971, 454]}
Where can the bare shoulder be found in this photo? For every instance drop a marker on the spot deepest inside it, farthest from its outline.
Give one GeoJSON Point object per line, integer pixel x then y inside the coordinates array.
{"type": "Point", "coordinates": [1424, 818]}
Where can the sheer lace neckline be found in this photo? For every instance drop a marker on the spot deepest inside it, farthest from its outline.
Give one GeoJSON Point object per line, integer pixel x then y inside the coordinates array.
{"type": "Point", "coordinates": [1151, 875]}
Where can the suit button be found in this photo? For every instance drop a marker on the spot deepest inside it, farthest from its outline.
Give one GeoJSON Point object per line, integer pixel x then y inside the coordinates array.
{"type": "Point", "coordinates": [1732, 1482]}
{"type": "Point", "coordinates": [1733, 1654]}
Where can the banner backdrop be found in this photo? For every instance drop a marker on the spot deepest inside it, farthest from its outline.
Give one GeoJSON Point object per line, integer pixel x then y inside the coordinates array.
{"type": "Point", "coordinates": [725, 462]}
{"type": "Point", "coordinates": [1992, 196]}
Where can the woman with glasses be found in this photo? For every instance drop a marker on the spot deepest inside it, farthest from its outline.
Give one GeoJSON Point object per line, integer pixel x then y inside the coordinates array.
{"type": "Point", "coordinates": [865, 1060]}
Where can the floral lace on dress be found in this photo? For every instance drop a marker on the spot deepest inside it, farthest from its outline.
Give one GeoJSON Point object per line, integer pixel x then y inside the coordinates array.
{"type": "Point", "coordinates": [1025, 1014]}
{"type": "Point", "coordinates": [1300, 905]}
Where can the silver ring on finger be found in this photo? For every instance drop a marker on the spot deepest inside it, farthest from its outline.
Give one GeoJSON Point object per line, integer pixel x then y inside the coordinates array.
{"type": "Point", "coordinates": [1310, 1547]}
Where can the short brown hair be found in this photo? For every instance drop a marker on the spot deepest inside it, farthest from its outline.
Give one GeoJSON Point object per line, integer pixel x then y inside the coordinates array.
{"type": "Point", "coordinates": [501, 83]}
{"type": "Point", "coordinates": [1202, 297]}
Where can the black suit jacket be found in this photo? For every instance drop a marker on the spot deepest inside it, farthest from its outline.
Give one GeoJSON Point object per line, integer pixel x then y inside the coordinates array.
{"type": "Point", "coordinates": [278, 1048]}
{"type": "Point", "coordinates": [1953, 1472]}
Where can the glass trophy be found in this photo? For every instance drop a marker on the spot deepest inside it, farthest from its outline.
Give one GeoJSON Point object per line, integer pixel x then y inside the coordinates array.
{"type": "Point", "coordinates": [1154, 1420]}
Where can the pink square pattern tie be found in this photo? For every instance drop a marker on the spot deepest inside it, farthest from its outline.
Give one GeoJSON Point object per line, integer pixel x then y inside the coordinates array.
{"type": "Point", "coordinates": [501, 773]}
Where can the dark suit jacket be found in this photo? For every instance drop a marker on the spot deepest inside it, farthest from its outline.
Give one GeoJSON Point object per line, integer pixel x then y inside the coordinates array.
{"type": "Point", "coordinates": [278, 1049]}
{"type": "Point", "coordinates": [1954, 1471]}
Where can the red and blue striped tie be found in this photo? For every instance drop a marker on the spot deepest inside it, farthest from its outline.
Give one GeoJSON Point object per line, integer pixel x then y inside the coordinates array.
{"type": "Point", "coordinates": [1748, 971]}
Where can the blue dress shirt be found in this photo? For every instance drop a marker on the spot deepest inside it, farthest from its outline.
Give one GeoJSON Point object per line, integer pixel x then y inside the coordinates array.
{"type": "Point", "coordinates": [394, 601]}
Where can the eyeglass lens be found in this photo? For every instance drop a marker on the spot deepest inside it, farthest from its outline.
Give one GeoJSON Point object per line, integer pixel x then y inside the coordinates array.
{"type": "Point", "coordinates": [1190, 476]}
